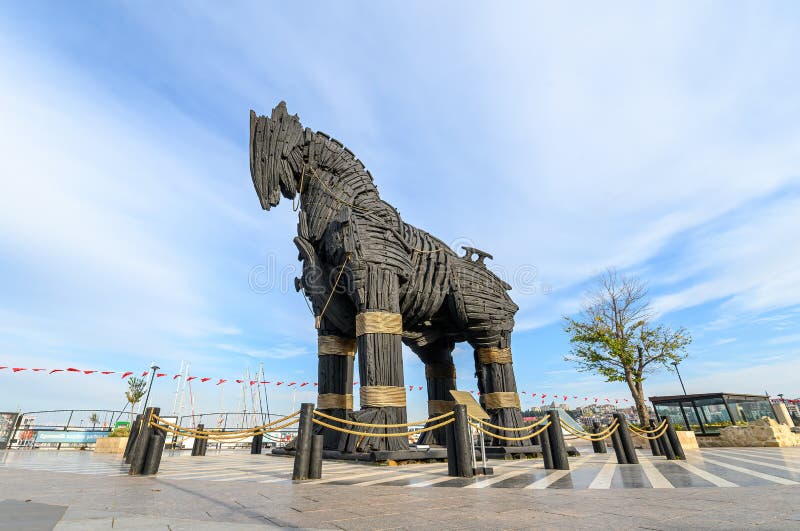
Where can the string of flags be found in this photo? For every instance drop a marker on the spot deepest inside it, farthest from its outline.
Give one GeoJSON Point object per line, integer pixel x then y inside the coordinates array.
{"type": "Point", "coordinates": [553, 397]}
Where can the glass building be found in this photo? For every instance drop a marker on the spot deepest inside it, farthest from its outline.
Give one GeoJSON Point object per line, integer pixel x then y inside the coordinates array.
{"type": "Point", "coordinates": [706, 414]}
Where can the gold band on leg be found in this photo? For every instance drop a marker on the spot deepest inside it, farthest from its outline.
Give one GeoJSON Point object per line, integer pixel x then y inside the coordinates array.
{"type": "Point", "coordinates": [334, 401]}
{"type": "Point", "coordinates": [493, 355]}
{"type": "Point", "coordinates": [336, 346]}
{"type": "Point", "coordinates": [379, 323]}
{"type": "Point", "coordinates": [438, 407]}
{"type": "Point", "coordinates": [382, 396]}
{"type": "Point", "coordinates": [440, 370]}
{"type": "Point", "coordinates": [500, 400]}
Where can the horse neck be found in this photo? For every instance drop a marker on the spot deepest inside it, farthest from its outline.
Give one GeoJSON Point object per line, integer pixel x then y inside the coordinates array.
{"type": "Point", "coordinates": [332, 180]}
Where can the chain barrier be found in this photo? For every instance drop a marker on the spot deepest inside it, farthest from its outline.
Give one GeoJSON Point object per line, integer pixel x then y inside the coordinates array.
{"type": "Point", "coordinates": [642, 430]}
{"type": "Point", "coordinates": [504, 438]}
{"type": "Point", "coordinates": [593, 437]}
{"type": "Point", "coordinates": [523, 428]}
{"type": "Point", "coordinates": [224, 436]}
{"type": "Point", "coordinates": [655, 433]}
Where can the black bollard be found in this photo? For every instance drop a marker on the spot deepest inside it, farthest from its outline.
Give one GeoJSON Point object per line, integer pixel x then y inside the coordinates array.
{"type": "Point", "coordinates": [547, 451]}
{"type": "Point", "coordinates": [154, 451]}
{"type": "Point", "coordinates": [134, 430]}
{"type": "Point", "coordinates": [315, 464]}
{"type": "Point", "coordinates": [654, 442]}
{"type": "Point", "coordinates": [197, 445]}
{"type": "Point", "coordinates": [557, 445]}
{"type": "Point", "coordinates": [674, 441]}
{"type": "Point", "coordinates": [464, 447]}
{"type": "Point", "coordinates": [257, 445]}
{"type": "Point", "coordinates": [625, 438]}
{"type": "Point", "coordinates": [617, 443]}
{"type": "Point", "coordinates": [665, 446]}
{"type": "Point", "coordinates": [452, 450]}
{"type": "Point", "coordinates": [139, 447]}
{"type": "Point", "coordinates": [302, 453]}
{"type": "Point", "coordinates": [599, 447]}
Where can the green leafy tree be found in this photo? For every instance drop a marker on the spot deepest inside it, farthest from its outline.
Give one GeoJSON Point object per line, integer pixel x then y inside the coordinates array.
{"type": "Point", "coordinates": [135, 392]}
{"type": "Point", "coordinates": [615, 336]}
{"type": "Point", "coordinates": [94, 419]}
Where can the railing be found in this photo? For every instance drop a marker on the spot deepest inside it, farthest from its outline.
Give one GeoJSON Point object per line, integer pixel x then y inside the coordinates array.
{"type": "Point", "coordinates": [70, 428]}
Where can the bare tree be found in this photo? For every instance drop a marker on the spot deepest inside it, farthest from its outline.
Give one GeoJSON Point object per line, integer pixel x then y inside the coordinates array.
{"type": "Point", "coordinates": [614, 336]}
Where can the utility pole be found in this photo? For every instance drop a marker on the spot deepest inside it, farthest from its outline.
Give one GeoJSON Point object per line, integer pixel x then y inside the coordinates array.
{"type": "Point", "coordinates": [153, 369]}
{"type": "Point", "coordinates": [675, 364]}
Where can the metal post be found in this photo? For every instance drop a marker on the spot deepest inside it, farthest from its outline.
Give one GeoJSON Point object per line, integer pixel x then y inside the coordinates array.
{"type": "Point", "coordinates": [197, 444]}
{"type": "Point", "coordinates": [616, 441]}
{"type": "Point", "coordinates": [675, 364]}
{"type": "Point", "coordinates": [625, 439]}
{"type": "Point", "coordinates": [599, 447]}
{"type": "Point", "coordinates": [464, 450]}
{"type": "Point", "coordinates": [302, 454]}
{"type": "Point", "coordinates": [153, 369]}
{"type": "Point", "coordinates": [139, 448]}
{"type": "Point", "coordinates": [674, 441]}
{"type": "Point", "coordinates": [557, 445]}
{"type": "Point", "coordinates": [315, 462]}
{"type": "Point", "coordinates": [665, 446]}
{"type": "Point", "coordinates": [654, 442]}
{"type": "Point", "coordinates": [133, 431]}
{"type": "Point", "coordinates": [155, 449]}
{"type": "Point", "coordinates": [547, 452]}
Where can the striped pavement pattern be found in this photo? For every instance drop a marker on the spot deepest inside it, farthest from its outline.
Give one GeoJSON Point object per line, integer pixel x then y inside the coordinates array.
{"type": "Point", "coordinates": [722, 467]}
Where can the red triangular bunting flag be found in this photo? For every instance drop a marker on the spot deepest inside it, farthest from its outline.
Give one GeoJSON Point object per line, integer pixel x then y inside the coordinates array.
{"type": "Point", "coordinates": [18, 369]}
{"type": "Point", "coordinates": [56, 370]}
{"type": "Point", "coordinates": [88, 372]}
{"type": "Point", "coordinates": [145, 373]}
{"type": "Point", "coordinates": [190, 378]}
{"type": "Point", "coordinates": [73, 369]}
{"type": "Point", "coordinates": [106, 372]}
{"type": "Point", "coordinates": [252, 383]}
{"type": "Point", "coordinates": [238, 381]}
{"type": "Point", "coordinates": [37, 370]}
{"type": "Point", "coordinates": [176, 376]}
{"type": "Point", "coordinates": [303, 384]}
{"type": "Point", "coordinates": [125, 375]}
{"type": "Point", "coordinates": [160, 374]}
{"type": "Point", "coordinates": [221, 381]}
{"type": "Point", "coordinates": [204, 380]}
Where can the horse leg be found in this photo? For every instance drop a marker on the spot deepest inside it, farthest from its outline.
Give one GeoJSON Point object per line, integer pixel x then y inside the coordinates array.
{"type": "Point", "coordinates": [380, 357]}
{"type": "Point", "coordinates": [440, 374]}
{"type": "Point", "coordinates": [336, 353]}
{"type": "Point", "coordinates": [498, 388]}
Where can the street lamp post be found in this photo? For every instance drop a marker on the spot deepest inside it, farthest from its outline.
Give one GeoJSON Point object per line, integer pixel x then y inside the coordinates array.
{"type": "Point", "coordinates": [675, 364]}
{"type": "Point", "coordinates": [153, 369]}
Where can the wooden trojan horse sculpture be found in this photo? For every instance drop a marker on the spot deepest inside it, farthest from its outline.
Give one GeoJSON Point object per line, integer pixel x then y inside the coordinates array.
{"type": "Point", "coordinates": [375, 282]}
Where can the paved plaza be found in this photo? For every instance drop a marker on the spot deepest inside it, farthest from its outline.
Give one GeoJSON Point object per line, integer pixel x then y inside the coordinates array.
{"type": "Point", "coordinates": [713, 489]}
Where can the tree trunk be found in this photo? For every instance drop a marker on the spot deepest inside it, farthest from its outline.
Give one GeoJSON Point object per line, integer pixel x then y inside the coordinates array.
{"type": "Point", "coordinates": [637, 393]}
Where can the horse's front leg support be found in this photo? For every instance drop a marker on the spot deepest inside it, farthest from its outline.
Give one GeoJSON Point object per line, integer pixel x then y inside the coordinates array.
{"type": "Point", "coordinates": [380, 357]}
{"type": "Point", "coordinates": [498, 390]}
{"type": "Point", "coordinates": [335, 379]}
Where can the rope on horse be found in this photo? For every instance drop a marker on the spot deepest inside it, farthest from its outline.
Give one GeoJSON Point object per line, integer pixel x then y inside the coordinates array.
{"type": "Point", "coordinates": [318, 319]}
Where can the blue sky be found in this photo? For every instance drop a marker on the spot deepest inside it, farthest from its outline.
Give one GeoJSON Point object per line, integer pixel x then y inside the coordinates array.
{"type": "Point", "coordinates": [565, 139]}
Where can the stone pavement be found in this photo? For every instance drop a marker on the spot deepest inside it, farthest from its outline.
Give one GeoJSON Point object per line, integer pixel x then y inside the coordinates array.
{"type": "Point", "coordinates": [80, 490]}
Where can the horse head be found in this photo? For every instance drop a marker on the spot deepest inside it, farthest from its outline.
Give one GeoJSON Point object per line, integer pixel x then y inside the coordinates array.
{"type": "Point", "coordinates": [276, 157]}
